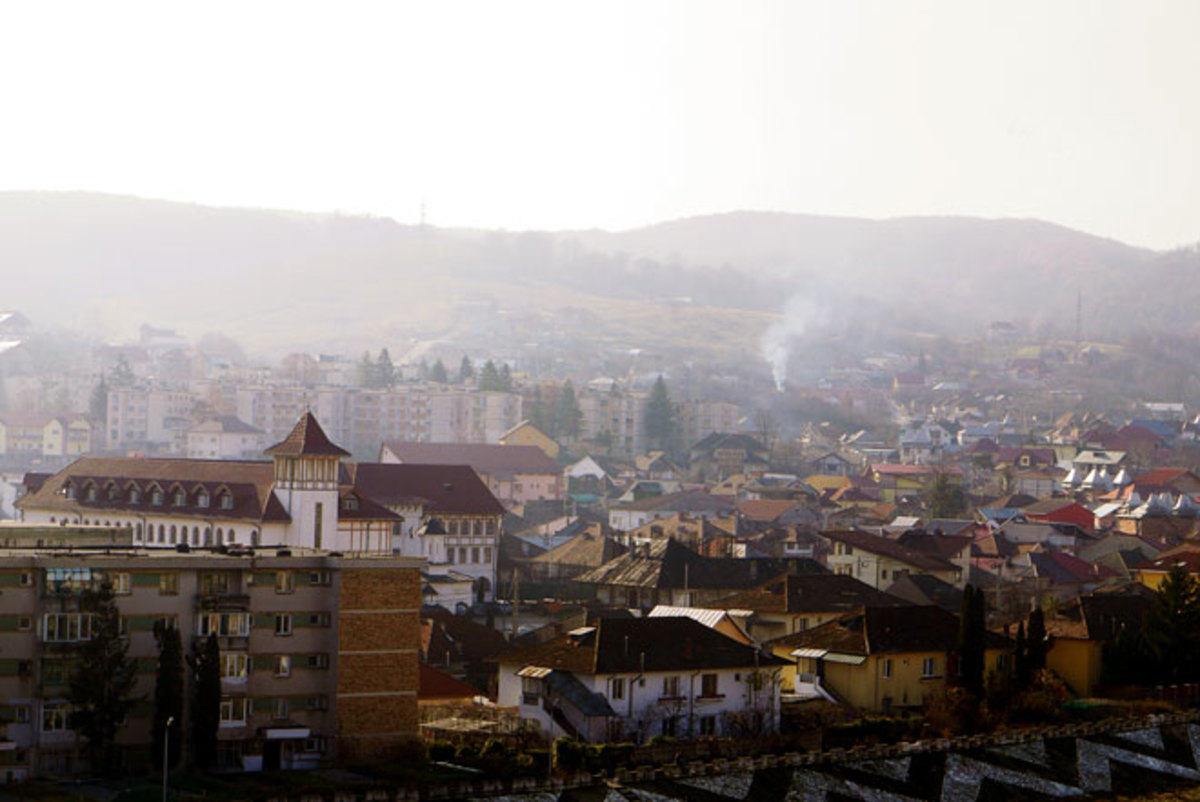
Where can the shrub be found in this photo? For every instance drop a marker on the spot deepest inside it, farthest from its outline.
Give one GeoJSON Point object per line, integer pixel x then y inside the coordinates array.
{"type": "Point", "coordinates": [466, 753]}
{"type": "Point", "coordinates": [567, 755]}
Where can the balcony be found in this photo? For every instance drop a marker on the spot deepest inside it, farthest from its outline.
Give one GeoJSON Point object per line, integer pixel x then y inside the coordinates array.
{"type": "Point", "coordinates": [219, 602]}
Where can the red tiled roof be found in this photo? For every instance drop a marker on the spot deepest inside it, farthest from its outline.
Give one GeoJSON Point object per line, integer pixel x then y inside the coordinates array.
{"type": "Point", "coordinates": [889, 548]}
{"type": "Point", "coordinates": [765, 509]}
{"type": "Point", "coordinates": [441, 489]}
{"type": "Point", "coordinates": [307, 438]}
{"type": "Point", "coordinates": [433, 684]}
{"type": "Point", "coordinates": [484, 458]}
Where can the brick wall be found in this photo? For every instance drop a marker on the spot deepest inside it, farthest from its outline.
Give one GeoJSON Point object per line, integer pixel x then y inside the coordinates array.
{"type": "Point", "coordinates": [378, 642]}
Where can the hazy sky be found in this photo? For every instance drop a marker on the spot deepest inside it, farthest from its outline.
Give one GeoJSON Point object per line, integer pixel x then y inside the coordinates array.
{"type": "Point", "coordinates": [608, 114]}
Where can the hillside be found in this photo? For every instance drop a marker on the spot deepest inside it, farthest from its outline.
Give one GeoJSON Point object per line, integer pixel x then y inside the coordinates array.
{"type": "Point", "coordinates": [280, 281]}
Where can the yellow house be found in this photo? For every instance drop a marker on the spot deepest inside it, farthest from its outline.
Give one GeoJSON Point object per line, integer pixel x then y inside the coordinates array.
{"type": "Point", "coordinates": [823, 482]}
{"type": "Point", "coordinates": [526, 434]}
{"type": "Point", "coordinates": [44, 435]}
{"type": "Point", "coordinates": [1152, 573]}
{"type": "Point", "coordinates": [880, 659]}
{"type": "Point", "coordinates": [1079, 631]}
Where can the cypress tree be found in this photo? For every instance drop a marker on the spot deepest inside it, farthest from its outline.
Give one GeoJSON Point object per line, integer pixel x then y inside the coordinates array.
{"type": "Point", "coordinates": [971, 641]}
{"type": "Point", "coordinates": [168, 693]}
{"type": "Point", "coordinates": [206, 711]}
{"type": "Point", "coordinates": [1037, 642]}
{"type": "Point", "coordinates": [1021, 658]}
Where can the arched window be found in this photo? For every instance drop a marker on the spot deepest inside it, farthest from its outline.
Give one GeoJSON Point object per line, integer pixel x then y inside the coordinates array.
{"type": "Point", "coordinates": [195, 534]}
{"type": "Point", "coordinates": [162, 533]}
{"type": "Point", "coordinates": [138, 531]}
{"type": "Point", "coordinates": [174, 539]}
{"type": "Point", "coordinates": [229, 536]}
{"type": "Point", "coordinates": [254, 538]}
{"type": "Point", "coordinates": [111, 492]}
{"type": "Point", "coordinates": [156, 497]}
{"type": "Point", "coordinates": [477, 528]}
{"type": "Point", "coordinates": [225, 500]}
{"type": "Point", "coordinates": [89, 493]}
{"type": "Point", "coordinates": [51, 519]}
{"type": "Point", "coordinates": [202, 498]}
{"type": "Point", "coordinates": [134, 496]}
{"type": "Point", "coordinates": [220, 537]}
{"type": "Point", "coordinates": [178, 498]}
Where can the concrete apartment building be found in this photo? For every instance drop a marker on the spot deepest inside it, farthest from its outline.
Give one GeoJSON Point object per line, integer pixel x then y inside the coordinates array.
{"type": "Point", "coordinates": [318, 651]}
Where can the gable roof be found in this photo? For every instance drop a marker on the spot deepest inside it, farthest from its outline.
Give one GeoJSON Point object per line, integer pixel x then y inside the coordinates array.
{"type": "Point", "coordinates": [440, 489]}
{"type": "Point", "coordinates": [633, 645]}
{"type": "Point", "coordinates": [667, 563]}
{"type": "Point", "coordinates": [433, 684]}
{"type": "Point", "coordinates": [809, 593]}
{"type": "Point", "coordinates": [484, 458]}
{"type": "Point", "coordinates": [307, 438]}
{"type": "Point", "coordinates": [889, 548]}
{"type": "Point", "coordinates": [884, 630]}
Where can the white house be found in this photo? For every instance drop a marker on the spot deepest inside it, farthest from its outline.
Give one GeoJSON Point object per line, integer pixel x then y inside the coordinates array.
{"type": "Point", "coordinates": [641, 677]}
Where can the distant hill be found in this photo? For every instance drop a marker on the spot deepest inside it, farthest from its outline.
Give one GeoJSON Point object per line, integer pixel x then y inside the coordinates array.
{"type": "Point", "coordinates": [280, 280]}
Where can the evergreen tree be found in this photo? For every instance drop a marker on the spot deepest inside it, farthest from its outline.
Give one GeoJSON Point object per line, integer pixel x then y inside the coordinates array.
{"type": "Point", "coordinates": [122, 375]}
{"type": "Point", "coordinates": [489, 377]}
{"type": "Point", "coordinates": [535, 411]}
{"type": "Point", "coordinates": [206, 709]}
{"type": "Point", "coordinates": [168, 692]}
{"type": "Point", "coordinates": [1037, 646]}
{"type": "Point", "coordinates": [568, 416]}
{"type": "Point", "coordinates": [945, 497]}
{"type": "Point", "coordinates": [506, 379]}
{"type": "Point", "coordinates": [971, 641]}
{"type": "Point", "coordinates": [101, 687]}
{"type": "Point", "coordinates": [423, 370]}
{"type": "Point", "coordinates": [385, 371]}
{"type": "Point", "coordinates": [1173, 626]}
{"type": "Point", "coordinates": [438, 373]}
{"type": "Point", "coordinates": [98, 403]}
{"type": "Point", "coordinates": [466, 371]}
{"type": "Point", "coordinates": [660, 417]}
{"type": "Point", "coordinates": [366, 372]}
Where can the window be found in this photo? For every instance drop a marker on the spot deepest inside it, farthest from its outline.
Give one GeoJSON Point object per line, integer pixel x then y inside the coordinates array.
{"type": "Point", "coordinates": [283, 624]}
{"type": "Point", "coordinates": [887, 668]}
{"type": "Point", "coordinates": [285, 582]}
{"type": "Point", "coordinates": [929, 667]}
{"type": "Point", "coordinates": [66, 627]}
{"type": "Point", "coordinates": [120, 583]}
{"type": "Point", "coordinates": [319, 578]}
{"type": "Point", "coordinates": [670, 687]}
{"type": "Point", "coordinates": [26, 578]}
{"type": "Point", "coordinates": [462, 556]}
{"type": "Point", "coordinates": [215, 583]}
{"type": "Point", "coordinates": [233, 666]}
{"type": "Point", "coordinates": [283, 665]}
{"type": "Point", "coordinates": [202, 499]}
{"type": "Point", "coordinates": [317, 702]}
{"type": "Point", "coordinates": [24, 623]}
{"type": "Point", "coordinates": [225, 501]}
{"type": "Point", "coordinates": [318, 661]}
{"type": "Point", "coordinates": [708, 725]}
{"type": "Point", "coordinates": [487, 554]}
{"type": "Point", "coordinates": [531, 690]}
{"type": "Point", "coordinates": [233, 711]}
{"type": "Point", "coordinates": [475, 554]}
{"type": "Point", "coordinates": [234, 625]}
{"type": "Point", "coordinates": [156, 497]}
{"type": "Point", "coordinates": [883, 574]}
{"type": "Point", "coordinates": [178, 498]}
{"type": "Point", "coordinates": [318, 523]}
{"type": "Point", "coordinates": [618, 688]}
{"type": "Point", "coordinates": [21, 714]}
{"type": "Point", "coordinates": [669, 726]}
{"type": "Point", "coordinates": [280, 709]}
{"type": "Point", "coordinates": [168, 584]}
{"type": "Point", "coordinates": [55, 716]}
{"type": "Point", "coordinates": [134, 496]}
{"type": "Point", "coordinates": [708, 685]}
{"type": "Point", "coordinates": [164, 622]}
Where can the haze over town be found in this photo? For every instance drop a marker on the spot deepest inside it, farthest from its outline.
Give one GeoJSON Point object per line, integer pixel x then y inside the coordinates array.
{"type": "Point", "coordinates": [776, 399]}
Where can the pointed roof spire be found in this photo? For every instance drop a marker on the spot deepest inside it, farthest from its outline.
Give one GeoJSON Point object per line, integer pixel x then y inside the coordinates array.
{"type": "Point", "coordinates": [307, 438]}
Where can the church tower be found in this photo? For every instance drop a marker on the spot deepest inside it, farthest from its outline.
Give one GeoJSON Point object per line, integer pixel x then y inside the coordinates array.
{"type": "Point", "coordinates": [307, 467]}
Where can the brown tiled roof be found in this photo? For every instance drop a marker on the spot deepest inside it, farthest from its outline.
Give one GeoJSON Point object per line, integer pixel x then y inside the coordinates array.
{"type": "Point", "coordinates": [485, 458]}
{"type": "Point", "coordinates": [809, 593]}
{"type": "Point", "coordinates": [442, 489]}
{"type": "Point", "coordinates": [631, 645]}
{"type": "Point", "coordinates": [307, 438]}
{"type": "Point", "coordinates": [250, 484]}
{"type": "Point", "coordinates": [889, 548]}
{"type": "Point", "coordinates": [433, 684]}
{"type": "Point", "coordinates": [945, 547]}
{"type": "Point", "coordinates": [883, 630]}
{"type": "Point", "coordinates": [766, 509]}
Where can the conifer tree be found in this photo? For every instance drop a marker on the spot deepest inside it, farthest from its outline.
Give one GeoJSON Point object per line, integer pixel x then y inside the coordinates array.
{"type": "Point", "coordinates": [489, 377]}
{"type": "Point", "coordinates": [385, 371]}
{"type": "Point", "coordinates": [206, 708]}
{"type": "Point", "coordinates": [1036, 650]}
{"type": "Point", "coordinates": [568, 416]}
{"type": "Point", "coordinates": [101, 687]}
{"type": "Point", "coordinates": [971, 641]}
{"type": "Point", "coordinates": [168, 692]}
{"type": "Point", "coordinates": [660, 417]}
{"type": "Point", "coordinates": [466, 371]}
{"type": "Point", "coordinates": [506, 379]}
{"type": "Point", "coordinates": [438, 374]}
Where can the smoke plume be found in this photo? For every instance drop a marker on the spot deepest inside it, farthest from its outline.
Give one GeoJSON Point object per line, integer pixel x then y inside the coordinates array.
{"type": "Point", "coordinates": [800, 315]}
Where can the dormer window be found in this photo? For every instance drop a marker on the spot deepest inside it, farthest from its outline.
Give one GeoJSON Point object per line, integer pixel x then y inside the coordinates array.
{"type": "Point", "coordinates": [178, 498]}
{"type": "Point", "coordinates": [225, 500]}
{"type": "Point", "coordinates": [69, 490]}
{"type": "Point", "coordinates": [112, 493]}
{"type": "Point", "coordinates": [202, 499]}
{"type": "Point", "coordinates": [134, 496]}
{"type": "Point", "coordinates": [90, 493]}
{"type": "Point", "coordinates": [350, 503]}
{"type": "Point", "coordinates": [156, 497]}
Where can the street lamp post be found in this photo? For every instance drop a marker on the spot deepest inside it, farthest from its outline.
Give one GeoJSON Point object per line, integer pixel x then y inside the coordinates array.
{"type": "Point", "coordinates": [166, 752]}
